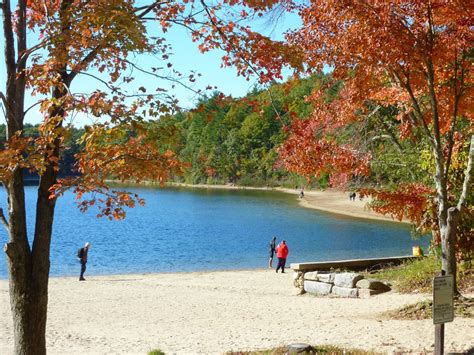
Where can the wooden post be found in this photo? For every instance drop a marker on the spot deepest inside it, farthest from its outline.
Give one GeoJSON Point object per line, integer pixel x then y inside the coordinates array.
{"type": "Point", "coordinates": [439, 339]}
{"type": "Point", "coordinates": [439, 333]}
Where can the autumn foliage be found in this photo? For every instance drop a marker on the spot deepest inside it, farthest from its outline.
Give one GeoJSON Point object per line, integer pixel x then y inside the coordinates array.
{"type": "Point", "coordinates": [407, 65]}
{"type": "Point", "coordinates": [413, 56]}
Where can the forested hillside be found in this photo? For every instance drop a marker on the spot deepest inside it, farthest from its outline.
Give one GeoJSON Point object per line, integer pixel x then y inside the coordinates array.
{"type": "Point", "coordinates": [227, 140]}
{"type": "Point", "coordinates": [223, 139]}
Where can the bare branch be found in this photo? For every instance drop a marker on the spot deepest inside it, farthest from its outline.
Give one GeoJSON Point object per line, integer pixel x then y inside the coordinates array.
{"type": "Point", "coordinates": [4, 220]}
{"type": "Point", "coordinates": [110, 87]}
{"type": "Point", "coordinates": [34, 105]}
{"type": "Point", "coordinates": [433, 101]}
{"type": "Point", "coordinates": [147, 9]}
{"type": "Point", "coordinates": [272, 101]}
{"type": "Point", "coordinates": [26, 53]}
{"type": "Point", "coordinates": [224, 37]}
{"type": "Point", "coordinates": [381, 136]}
{"type": "Point", "coordinates": [83, 64]}
{"type": "Point", "coordinates": [391, 135]}
{"type": "Point", "coordinates": [9, 48]}
{"type": "Point", "coordinates": [457, 98]}
{"type": "Point", "coordinates": [406, 85]}
{"type": "Point", "coordinates": [4, 102]}
{"type": "Point", "coordinates": [174, 80]}
{"type": "Point", "coordinates": [467, 178]}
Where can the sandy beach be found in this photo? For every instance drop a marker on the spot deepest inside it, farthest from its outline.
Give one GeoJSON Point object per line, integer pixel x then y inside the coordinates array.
{"type": "Point", "coordinates": [336, 201]}
{"type": "Point", "coordinates": [215, 312]}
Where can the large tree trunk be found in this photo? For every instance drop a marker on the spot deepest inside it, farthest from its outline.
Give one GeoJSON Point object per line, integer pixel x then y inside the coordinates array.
{"type": "Point", "coordinates": [29, 269]}
{"type": "Point", "coordinates": [19, 259]}
{"type": "Point", "coordinates": [27, 297]}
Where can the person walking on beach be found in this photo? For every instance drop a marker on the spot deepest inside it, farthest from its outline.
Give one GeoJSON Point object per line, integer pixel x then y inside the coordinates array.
{"type": "Point", "coordinates": [282, 253]}
{"type": "Point", "coordinates": [271, 250]}
{"type": "Point", "coordinates": [82, 256]}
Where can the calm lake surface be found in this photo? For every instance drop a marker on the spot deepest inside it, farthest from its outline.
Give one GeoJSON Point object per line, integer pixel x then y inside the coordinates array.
{"type": "Point", "coordinates": [203, 229]}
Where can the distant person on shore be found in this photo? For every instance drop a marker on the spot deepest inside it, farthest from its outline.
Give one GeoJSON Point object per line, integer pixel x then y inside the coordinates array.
{"type": "Point", "coordinates": [301, 193]}
{"type": "Point", "coordinates": [282, 253]}
{"type": "Point", "coordinates": [352, 196]}
{"type": "Point", "coordinates": [271, 251]}
{"type": "Point", "coordinates": [82, 256]}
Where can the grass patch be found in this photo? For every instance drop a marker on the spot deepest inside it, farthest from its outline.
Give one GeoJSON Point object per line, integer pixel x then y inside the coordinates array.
{"type": "Point", "coordinates": [417, 275]}
{"type": "Point", "coordinates": [156, 352]}
{"type": "Point", "coordinates": [323, 350]}
{"type": "Point", "coordinates": [463, 307]}
{"type": "Point", "coordinates": [411, 276]}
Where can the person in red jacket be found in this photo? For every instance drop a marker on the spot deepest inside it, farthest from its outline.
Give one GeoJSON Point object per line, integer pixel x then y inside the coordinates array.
{"type": "Point", "coordinates": [282, 253]}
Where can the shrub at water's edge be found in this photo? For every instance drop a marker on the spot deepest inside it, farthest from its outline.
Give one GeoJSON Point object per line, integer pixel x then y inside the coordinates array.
{"type": "Point", "coordinates": [417, 275]}
{"type": "Point", "coordinates": [411, 276]}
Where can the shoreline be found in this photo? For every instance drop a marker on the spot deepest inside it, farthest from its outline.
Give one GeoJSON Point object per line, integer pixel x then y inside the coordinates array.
{"type": "Point", "coordinates": [333, 201]}
{"type": "Point", "coordinates": [219, 311]}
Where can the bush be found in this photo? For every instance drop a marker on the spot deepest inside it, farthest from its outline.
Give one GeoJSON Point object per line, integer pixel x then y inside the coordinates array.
{"type": "Point", "coordinates": [253, 181]}
{"type": "Point", "coordinates": [411, 276]}
{"type": "Point", "coordinates": [417, 275]}
{"type": "Point", "coordinates": [156, 352]}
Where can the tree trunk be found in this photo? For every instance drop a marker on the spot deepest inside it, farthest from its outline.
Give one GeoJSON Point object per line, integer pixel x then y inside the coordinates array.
{"type": "Point", "coordinates": [28, 297]}
{"type": "Point", "coordinates": [448, 245]}
{"type": "Point", "coordinates": [29, 267]}
{"type": "Point", "coordinates": [449, 219]}
{"type": "Point", "coordinates": [29, 271]}
{"type": "Point", "coordinates": [447, 232]}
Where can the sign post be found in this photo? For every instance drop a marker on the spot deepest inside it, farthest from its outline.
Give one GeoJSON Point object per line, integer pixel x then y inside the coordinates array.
{"type": "Point", "coordinates": [443, 308]}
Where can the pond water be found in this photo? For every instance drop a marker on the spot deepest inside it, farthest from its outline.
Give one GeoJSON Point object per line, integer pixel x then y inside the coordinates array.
{"type": "Point", "coordinates": [185, 229]}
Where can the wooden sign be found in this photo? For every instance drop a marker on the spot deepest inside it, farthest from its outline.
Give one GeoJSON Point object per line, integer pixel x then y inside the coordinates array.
{"type": "Point", "coordinates": [443, 307]}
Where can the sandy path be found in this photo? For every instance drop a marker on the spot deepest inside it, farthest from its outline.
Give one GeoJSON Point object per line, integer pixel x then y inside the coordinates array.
{"type": "Point", "coordinates": [216, 312]}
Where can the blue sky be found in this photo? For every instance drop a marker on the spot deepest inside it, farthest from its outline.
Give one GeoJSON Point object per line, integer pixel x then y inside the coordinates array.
{"type": "Point", "coordinates": [186, 57]}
